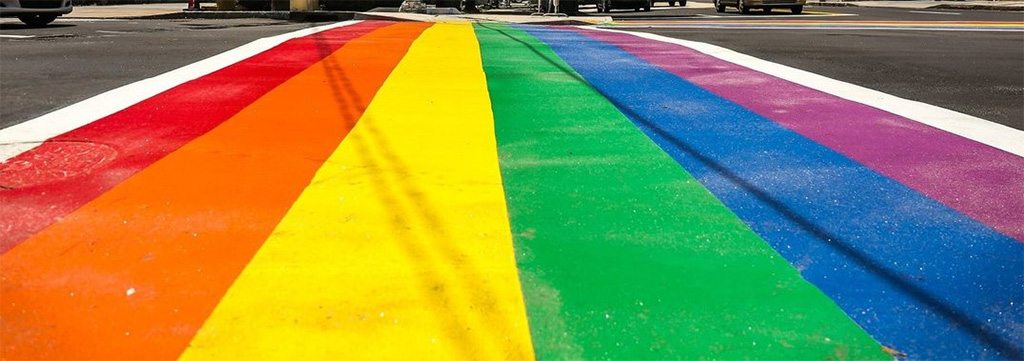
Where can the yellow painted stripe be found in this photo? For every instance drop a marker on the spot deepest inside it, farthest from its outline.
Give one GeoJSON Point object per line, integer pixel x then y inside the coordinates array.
{"type": "Point", "coordinates": [400, 248]}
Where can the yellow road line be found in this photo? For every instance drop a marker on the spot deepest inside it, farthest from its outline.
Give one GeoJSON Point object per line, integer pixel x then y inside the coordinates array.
{"type": "Point", "coordinates": [400, 248]}
{"type": "Point", "coordinates": [823, 13]}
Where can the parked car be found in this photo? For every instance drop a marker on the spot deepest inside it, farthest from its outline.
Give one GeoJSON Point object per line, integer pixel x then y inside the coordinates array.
{"type": "Point", "coordinates": [744, 6]}
{"type": "Point", "coordinates": [604, 6]}
{"type": "Point", "coordinates": [35, 12]}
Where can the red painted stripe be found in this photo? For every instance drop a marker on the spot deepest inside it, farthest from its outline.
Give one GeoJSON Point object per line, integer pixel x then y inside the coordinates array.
{"type": "Point", "coordinates": [67, 171]}
{"type": "Point", "coordinates": [134, 273]}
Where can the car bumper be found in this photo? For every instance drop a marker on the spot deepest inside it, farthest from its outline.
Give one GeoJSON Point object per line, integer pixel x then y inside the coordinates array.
{"type": "Point", "coordinates": [27, 7]}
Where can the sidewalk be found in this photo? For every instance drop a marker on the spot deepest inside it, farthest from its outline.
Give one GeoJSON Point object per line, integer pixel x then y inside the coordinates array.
{"type": "Point", "coordinates": [166, 11]}
{"type": "Point", "coordinates": [124, 11]}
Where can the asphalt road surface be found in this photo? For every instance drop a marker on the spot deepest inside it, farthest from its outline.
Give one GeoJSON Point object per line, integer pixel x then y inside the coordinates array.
{"type": "Point", "coordinates": [414, 190]}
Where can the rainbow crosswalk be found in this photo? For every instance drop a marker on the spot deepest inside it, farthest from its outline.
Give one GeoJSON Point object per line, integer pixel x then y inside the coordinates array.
{"type": "Point", "coordinates": [791, 24]}
{"type": "Point", "coordinates": [380, 190]}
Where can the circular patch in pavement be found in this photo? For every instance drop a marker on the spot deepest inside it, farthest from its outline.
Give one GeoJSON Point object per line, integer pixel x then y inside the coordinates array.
{"type": "Point", "coordinates": [54, 161]}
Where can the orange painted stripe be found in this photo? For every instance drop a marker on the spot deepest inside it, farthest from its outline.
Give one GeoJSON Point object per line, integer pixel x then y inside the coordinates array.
{"type": "Point", "coordinates": [134, 273]}
{"type": "Point", "coordinates": [84, 163]}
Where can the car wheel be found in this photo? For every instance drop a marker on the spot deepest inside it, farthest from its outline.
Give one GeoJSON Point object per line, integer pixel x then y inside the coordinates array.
{"type": "Point", "coordinates": [37, 20]}
{"type": "Point", "coordinates": [671, 3]}
{"type": "Point", "coordinates": [798, 9]}
{"type": "Point", "coordinates": [648, 6]}
{"type": "Point", "coordinates": [682, 3]}
{"type": "Point", "coordinates": [742, 7]}
{"type": "Point", "coordinates": [767, 9]}
{"type": "Point", "coordinates": [719, 7]}
{"type": "Point", "coordinates": [569, 7]}
{"type": "Point", "coordinates": [257, 5]}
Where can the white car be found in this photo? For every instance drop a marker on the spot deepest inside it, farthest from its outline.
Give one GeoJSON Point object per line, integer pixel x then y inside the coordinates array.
{"type": "Point", "coordinates": [35, 12]}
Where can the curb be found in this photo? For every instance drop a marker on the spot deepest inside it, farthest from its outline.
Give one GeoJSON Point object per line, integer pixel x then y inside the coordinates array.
{"type": "Point", "coordinates": [278, 15]}
{"type": "Point", "coordinates": [976, 7]}
{"type": "Point", "coordinates": [936, 6]}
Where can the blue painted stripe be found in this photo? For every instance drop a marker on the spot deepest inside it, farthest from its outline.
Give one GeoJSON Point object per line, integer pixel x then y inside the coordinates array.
{"type": "Point", "coordinates": [918, 276]}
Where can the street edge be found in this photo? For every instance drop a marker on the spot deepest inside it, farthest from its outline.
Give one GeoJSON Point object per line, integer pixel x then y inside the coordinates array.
{"type": "Point", "coordinates": [994, 7]}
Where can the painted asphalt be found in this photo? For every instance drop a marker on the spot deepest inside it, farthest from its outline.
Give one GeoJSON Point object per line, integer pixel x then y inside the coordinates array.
{"type": "Point", "coordinates": [998, 26]}
{"type": "Point", "coordinates": [549, 192]}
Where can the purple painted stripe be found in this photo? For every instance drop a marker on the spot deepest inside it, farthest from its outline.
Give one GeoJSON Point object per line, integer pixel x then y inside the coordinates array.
{"type": "Point", "coordinates": [975, 179]}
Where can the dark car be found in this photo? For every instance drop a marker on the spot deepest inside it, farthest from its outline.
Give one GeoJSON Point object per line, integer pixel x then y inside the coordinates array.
{"type": "Point", "coordinates": [35, 12]}
{"type": "Point", "coordinates": [744, 6]}
{"type": "Point", "coordinates": [564, 6]}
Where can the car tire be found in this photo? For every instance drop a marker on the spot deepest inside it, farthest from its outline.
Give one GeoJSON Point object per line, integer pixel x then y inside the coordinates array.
{"type": "Point", "coordinates": [719, 7]}
{"type": "Point", "coordinates": [767, 9]}
{"type": "Point", "coordinates": [682, 3]}
{"type": "Point", "coordinates": [569, 7]}
{"type": "Point", "coordinates": [741, 7]}
{"type": "Point", "coordinates": [37, 20]}
{"type": "Point", "coordinates": [254, 5]}
{"type": "Point", "coordinates": [671, 3]}
{"type": "Point", "coordinates": [797, 9]}
{"type": "Point", "coordinates": [648, 6]}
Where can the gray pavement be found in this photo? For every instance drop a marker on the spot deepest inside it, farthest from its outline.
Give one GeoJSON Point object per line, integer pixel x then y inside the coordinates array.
{"type": "Point", "coordinates": [924, 4]}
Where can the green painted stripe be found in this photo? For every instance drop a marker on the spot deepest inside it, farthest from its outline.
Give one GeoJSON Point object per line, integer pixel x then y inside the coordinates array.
{"type": "Point", "coordinates": [622, 254]}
